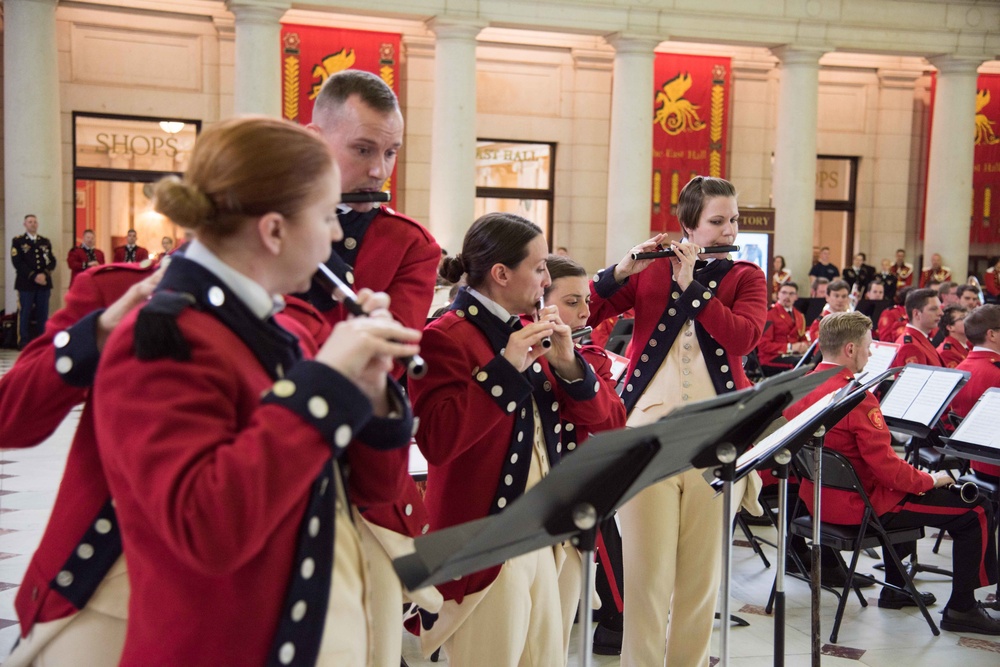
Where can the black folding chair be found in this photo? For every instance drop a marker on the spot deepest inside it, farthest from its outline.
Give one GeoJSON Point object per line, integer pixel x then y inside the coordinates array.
{"type": "Point", "coordinates": [838, 473]}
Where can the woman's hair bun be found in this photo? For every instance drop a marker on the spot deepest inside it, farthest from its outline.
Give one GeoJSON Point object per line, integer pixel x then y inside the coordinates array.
{"type": "Point", "coordinates": [452, 268]}
{"type": "Point", "coordinates": [182, 202]}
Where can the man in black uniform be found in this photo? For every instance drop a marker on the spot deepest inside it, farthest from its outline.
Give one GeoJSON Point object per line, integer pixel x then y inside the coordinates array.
{"type": "Point", "coordinates": [34, 263]}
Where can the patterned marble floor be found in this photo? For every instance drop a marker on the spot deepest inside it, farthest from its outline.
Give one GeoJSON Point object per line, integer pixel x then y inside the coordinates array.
{"type": "Point", "coordinates": [869, 636]}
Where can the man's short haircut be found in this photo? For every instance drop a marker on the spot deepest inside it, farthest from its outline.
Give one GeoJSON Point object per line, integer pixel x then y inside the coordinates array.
{"type": "Point", "coordinates": [372, 90]}
{"type": "Point", "coordinates": [131, 231]}
{"type": "Point", "coordinates": [864, 257]}
{"type": "Point", "coordinates": [32, 215]}
{"type": "Point", "coordinates": [917, 300]}
{"type": "Point", "coordinates": [900, 250]}
{"type": "Point", "coordinates": [838, 285]}
{"type": "Point", "coordinates": [838, 329]}
{"type": "Point", "coordinates": [980, 321]}
{"type": "Point", "coordinates": [826, 247]}
{"type": "Point", "coordinates": [91, 231]}
{"type": "Point", "coordinates": [820, 281]}
{"type": "Point", "coordinates": [962, 289]}
{"type": "Point", "coordinates": [952, 314]}
{"type": "Point", "coordinates": [944, 289]}
{"type": "Point", "coordinates": [877, 281]}
{"type": "Point", "coordinates": [789, 283]}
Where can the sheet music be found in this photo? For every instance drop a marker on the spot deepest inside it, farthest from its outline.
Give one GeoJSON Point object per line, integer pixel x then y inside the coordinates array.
{"type": "Point", "coordinates": [618, 365]}
{"type": "Point", "coordinates": [774, 440]}
{"type": "Point", "coordinates": [417, 464]}
{"type": "Point", "coordinates": [979, 426]}
{"type": "Point", "coordinates": [919, 394]}
{"type": "Point", "coordinates": [881, 358]}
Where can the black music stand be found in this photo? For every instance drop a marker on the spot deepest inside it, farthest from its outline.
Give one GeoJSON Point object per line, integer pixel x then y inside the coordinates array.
{"type": "Point", "coordinates": [584, 489]}
{"type": "Point", "coordinates": [976, 439]}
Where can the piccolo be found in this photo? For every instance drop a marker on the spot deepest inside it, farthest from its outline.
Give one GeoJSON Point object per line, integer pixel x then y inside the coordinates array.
{"type": "Point", "coordinates": [546, 342]}
{"type": "Point", "coordinates": [416, 367]}
{"type": "Point", "coordinates": [365, 197]}
{"type": "Point", "coordinates": [582, 333]}
{"type": "Point", "coordinates": [669, 252]}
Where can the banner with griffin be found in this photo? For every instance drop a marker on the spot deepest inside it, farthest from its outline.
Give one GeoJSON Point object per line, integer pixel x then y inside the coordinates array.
{"type": "Point", "coordinates": [310, 54]}
{"type": "Point", "coordinates": [986, 166]}
{"type": "Point", "coordinates": [690, 128]}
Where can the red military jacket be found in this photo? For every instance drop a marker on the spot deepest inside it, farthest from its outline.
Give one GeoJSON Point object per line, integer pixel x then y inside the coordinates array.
{"type": "Point", "coordinates": [813, 333]}
{"type": "Point", "coordinates": [940, 275]}
{"type": "Point", "coordinates": [34, 400]}
{"type": "Point", "coordinates": [476, 422]}
{"type": "Point", "coordinates": [891, 323]}
{"type": "Point", "coordinates": [396, 255]}
{"type": "Point", "coordinates": [727, 301]}
{"type": "Point", "coordinates": [573, 435]}
{"type": "Point", "coordinates": [212, 473]}
{"type": "Point", "coordinates": [915, 348]}
{"type": "Point", "coordinates": [864, 439]}
{"type": "Point", "coordinates": [76, 259]}
{"type": "Point", "coordinates": [952, 352]}
{"type": "Point", "coordinates": [985, 368]}
{"type": "Point", "coordinates": [904, 275]}
{"type": "Point", "coordinates": [785, 329]}
{"type": "Point", "coordinates": [140, 254]}
{"type": "Point", "coordinates": [991, 283]}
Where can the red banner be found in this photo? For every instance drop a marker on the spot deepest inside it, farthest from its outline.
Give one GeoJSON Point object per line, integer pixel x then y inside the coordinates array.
{"type": "Point", "coordinates": [986, 169]}
{"type": "Point", "coordinates": [690, 128]}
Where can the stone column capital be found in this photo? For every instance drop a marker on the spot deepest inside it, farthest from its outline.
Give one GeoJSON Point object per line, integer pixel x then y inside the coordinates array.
{"type": "Point", "coordinates": [793, 55]}
{"type": "Point", "coordinates": [453, 27]}
{"type": "Point", "coordinates": [627, 43]}
{"type": "Point", "coordinates": [951, 64]}
{"type": "Point", "coordinates": [265, 12]}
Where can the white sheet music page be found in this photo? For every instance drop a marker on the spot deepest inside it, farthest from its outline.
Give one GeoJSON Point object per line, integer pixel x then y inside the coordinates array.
{"type": "Point", "coordinates": [880, 360]}
{"type": "Point", "coordinates": [919, 394]}
{"type": "Point", "coordinates": [773, 441]}
{"type": "Point", "coordinates": [979, 426]}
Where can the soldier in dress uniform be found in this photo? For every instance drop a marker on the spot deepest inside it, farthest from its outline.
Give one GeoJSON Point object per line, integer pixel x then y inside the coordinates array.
{"type": "Point", "coordinates": [838, 300]}
{"type": "Point", "coordinates": [779, 277]}
{"type": "Point", "coordinates": [888, 279]}
{"type": "Point", "coordinates": [570, 293]}
{"type": "Point", "coordinates": [31, 255]}
{"type": "Point", "coordinates": [357, 115]}
{"type": "Point", "coordinates": [923, 310]}
{"type": "Point", "coordinates": [936, 272]}
{"type": "Point", "coordinates": [968, 297]}
{"type": "Point", "coordinates": [902, 270]}
{"type": "Point", "coordinates": [893, 320]}
{"type": "Point", "coordinates": [84, 256]}
{"type": "Point", "coordinates": [131, 251]}
{"type": "Point", "coordinates": [859, 274]}
{"type": "Point", "coordinates": [227, 488]}
{"type": "Point", "coordinates": [785, 341]}
{"type": "Point", "coordinates": [492, 408]}
{"type": "Point", "coordinates": [902, 496]}
{"type": "Point", "coordinates": [954, 348]}
{"type": "Point", "coordinates": [73, 601]}
{"type": "Point", "coordinates": [982, 327]}
{"type": "Point", "coordinates": [695, 318]}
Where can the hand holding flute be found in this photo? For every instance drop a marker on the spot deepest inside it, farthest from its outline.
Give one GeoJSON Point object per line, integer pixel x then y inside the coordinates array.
{"type": "Point", "coordinates": [526, 345]}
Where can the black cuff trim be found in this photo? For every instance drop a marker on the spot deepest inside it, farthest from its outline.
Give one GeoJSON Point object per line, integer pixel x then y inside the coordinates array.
{"type": "Point", "coordinates": [581, 390]}
{"type": "Point", "coordinates": [694, 299]}
{"type": "Point", "coordinates": [605, 284]}
{"type": "Point", "coordinates": [503, 384]}
{"type": "Point", "coordinates": [76, 351]}
{"type": "Point", "coordinates": [385, 433]}
{"type": "Point", "coordinates": [324, 398]}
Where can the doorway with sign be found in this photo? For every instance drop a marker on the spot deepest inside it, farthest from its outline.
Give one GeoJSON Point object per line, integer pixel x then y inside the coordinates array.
{"type": "Point", "coordinates": [116, 162]}
{"type": "Point", "coordinates": [516, 177]}
{"type": "Point", "coordinates": [833, 224]}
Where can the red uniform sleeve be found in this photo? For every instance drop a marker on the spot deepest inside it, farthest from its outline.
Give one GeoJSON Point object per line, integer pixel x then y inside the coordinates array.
{"type": "Point", "coordinates": [875, 448]}
{"type": "Point", "coordinates": [412, 288]}
{"type": "Point", "coordinates": [619, 302]}
{"type": "Point", "coordinates": [75, 259]}
{"type": "Point", "coordinates": [773, 342]}
{"type": "Point", "coordinates": [616, 416]}
{"type": "Point", "coordinates": [738, 329]}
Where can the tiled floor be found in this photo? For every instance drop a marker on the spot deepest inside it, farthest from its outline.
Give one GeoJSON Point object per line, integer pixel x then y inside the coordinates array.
{"type": "Point", "coordinates": [881, 638]}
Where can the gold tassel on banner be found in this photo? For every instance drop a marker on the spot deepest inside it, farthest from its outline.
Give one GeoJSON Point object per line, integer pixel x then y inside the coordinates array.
{"type": "Point", "coordinates": [675, 190]}
{"type": "Point", "coordinates": [290, 87]}
{"type": "Point", "coordinates": [657, 194]}
{"type": "Point", "coordinates": [718, 101]}
{"type": "Point", "coordinates": [987, 201]}
{"type": "Point", "coordinates": [387, 63]}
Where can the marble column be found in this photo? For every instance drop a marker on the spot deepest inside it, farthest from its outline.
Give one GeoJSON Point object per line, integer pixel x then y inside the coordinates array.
{"type": "Point", "coordinates": [949, 168]}
{"type": "Point", "coordinates": [630, 150]}
{"type": "Point", "coordinates": [453, 130]}
{"type": "Point", "coordinates": [33, 178]}
{"type": "Point", "coordinates": [794, 176]}
{"type": "Point", "coordinates": [257, 77]}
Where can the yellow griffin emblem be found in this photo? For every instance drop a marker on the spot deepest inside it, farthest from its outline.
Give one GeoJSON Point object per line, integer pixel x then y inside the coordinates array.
{"type": "Point", "coordinates": [330, 65]}
{"type": "Point", "coordinates": [674, 114]}
{"type": "Point", "coordinates": [984, 126]}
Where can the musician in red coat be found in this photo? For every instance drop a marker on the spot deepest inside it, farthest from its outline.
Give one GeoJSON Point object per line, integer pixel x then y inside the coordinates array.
{"type": "Point", "coordinates": [991, 280]}
{"type": "Point", "coordinates": [84, 256]}
{"type": "Point", "coordinates": [901, 495]}
{"type": "Point", "coordinates": [50, 377]}
{"type": "Point", "coordinates": [893, 320]}
{"type": "Point", "coordinates": [935, 273]}
{"type": "Point", "coordinates": [228, 492]}
{"type": "Point", "coordinates": [923, 307]}
{"type": "Point", "coordinates": [491, 412]}
{"type": "Point", "coordinates": [838, 300]}
{"type": "Point", "coordinates": [784, 342]}
{"type": "Point", "coordinates": [902, 270]}
{"type": "Point", "coordinates": [695, 318]}
{"type": "Point", "coordinates": [570, 293]}
{"type": "Point", "coordinates": [982, 327]}
{"type": "Point", "coordinates": [955, 346]}
{"type": "Point", "coordinates": [131, 251]}
{"type": "Point", "coordinates": [358, 117]}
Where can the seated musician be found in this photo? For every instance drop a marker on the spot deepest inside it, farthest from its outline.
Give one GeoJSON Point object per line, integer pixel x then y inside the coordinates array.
{"type": "Point", "coordinates": [783, 342]}
{"type": "Point", "coordinates": [982, 327]}
{"type": "Point", "coordinates": [955, 347]}
{"type": "Point", "coordinates": [923, 311]}
{"type": "Point", "coordinates": [893, 320]}
{"type": "Point", "coordinates": [901, 495]}
{"type": "Point", "coordinates": [838, 300]}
